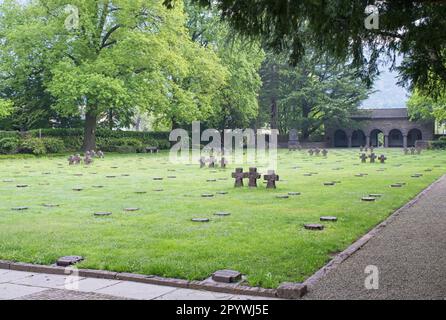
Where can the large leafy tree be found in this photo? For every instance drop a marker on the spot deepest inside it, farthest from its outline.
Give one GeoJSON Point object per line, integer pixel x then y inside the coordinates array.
{"type": "Point", "coordinates": [317, 91]}
{"type": "Point", "coordinates": [414, 29]}
{"type": "Point", "coordinates": [115, 57]}
{"type": "Point", "coordinates": [236, 103]}
{"type": "Point", "coordinates": [425, 108]}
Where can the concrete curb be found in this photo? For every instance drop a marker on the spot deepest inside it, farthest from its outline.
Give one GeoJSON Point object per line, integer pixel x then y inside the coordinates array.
{"type": "Point", "coordinates": [177, 283]}
{"type": "Point", "coordinates": [359, 244]}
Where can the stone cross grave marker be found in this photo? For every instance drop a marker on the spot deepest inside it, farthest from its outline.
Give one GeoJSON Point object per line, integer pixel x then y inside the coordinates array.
{"type": "Point", "coordinates": [253, 176]}
{"type": "Point", "coordinates": [202, 162]}
{"type": "Point", "coordinates": [363, 157]}
{"type": "Point", "coordinates": [311, 152]}
{"type": "Point", "coordinates": [372, 157]}
{"type": "Point", "coordinates": [324, 152]}
{"type": "Point", "coordinates": [271, 179]}
{"type": "Point", "coordinates": [223, 162]}
{"type": "Point", "coordinates": [239, 175]}
{"type": "Point", "coordinates": [382, 158]}
{"type": "Point", "coordinates": [212, 161]}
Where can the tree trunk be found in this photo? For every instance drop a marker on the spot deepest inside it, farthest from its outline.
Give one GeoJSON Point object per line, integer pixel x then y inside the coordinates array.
{"type": "Point", "coordinates": [110, 119]}
{"type": "Point", "coordinates": [274, 113]}
{"type": "Point", "coordinates": [305, 115]}
{"type": "Point", "coordinates": [90, 132]}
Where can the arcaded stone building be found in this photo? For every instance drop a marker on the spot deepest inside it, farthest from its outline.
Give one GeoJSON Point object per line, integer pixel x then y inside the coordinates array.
{"type": "Point", "coordinates": [381, 128]}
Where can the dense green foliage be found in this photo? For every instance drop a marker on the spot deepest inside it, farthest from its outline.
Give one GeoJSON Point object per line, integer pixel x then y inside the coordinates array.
{"type": "Point", "coordinates": [317, 91]}
{"type": "Point", "coordinates": [414, 29]}
{"type": "Point", "coordinates": [123, 56]}
{"type": "Point", "coordinates": [47, 141]}
{"type": "Point", "coordinates": [424, 107]}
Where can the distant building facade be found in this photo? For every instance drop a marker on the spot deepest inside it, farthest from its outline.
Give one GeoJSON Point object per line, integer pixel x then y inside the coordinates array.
{"type": "Point", "coordinates": [389, 128]}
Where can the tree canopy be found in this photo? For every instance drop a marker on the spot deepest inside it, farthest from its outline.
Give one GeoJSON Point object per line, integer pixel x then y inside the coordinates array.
{"type": "Point", "coordinates": [414, 29]}
{"type": "Point", "coordinates": [123, 55]}
{"type": "Point", "coordinates": [317, 91]}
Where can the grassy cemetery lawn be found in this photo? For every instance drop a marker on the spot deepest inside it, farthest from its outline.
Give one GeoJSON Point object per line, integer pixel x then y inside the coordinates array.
{"type": "Point", "coordinates": [264, 237]}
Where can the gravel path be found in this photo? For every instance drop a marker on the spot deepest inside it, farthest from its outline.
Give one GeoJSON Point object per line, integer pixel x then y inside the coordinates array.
{"type": "Point", "coordinates": [410, 254]}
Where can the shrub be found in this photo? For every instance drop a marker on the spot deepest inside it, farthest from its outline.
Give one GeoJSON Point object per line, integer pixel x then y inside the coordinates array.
{"type": "Point", "coordinates": [439, 144]}
{"type": "Point", "coordinates": [54, 145]}
{"type": "Point", "coordinates": [442, 138]}
{"type": "Point", "coordinates": [33, 145]}
{"type": "Point", "coordinates": [9, 145]}
{"type": "Point", "coordinates": [123, 145]}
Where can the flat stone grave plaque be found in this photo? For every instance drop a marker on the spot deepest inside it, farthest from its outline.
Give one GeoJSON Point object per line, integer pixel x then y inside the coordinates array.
{"type": "Point", "coordinates": [102, 214]}
{"type": "Point", "coordinates": [307, 174]}
{"type": "Point", "coordinates": [207, 195]}
{"type": "Point", "coordinates": [396, 185]}
{"type": "Point", "coordinates": [222, 192]}
{"type": "Point", "coordinates": [283, 197]}
{"type": "Point", "coordinates": [158, 190]}
{"type": "Point", "coordinates": [78, 174]}
{"type": "Point", "coordinates": [227, 276]}
{"type": "Point", "coordinates": [375, 195]}
{"type": "Point", "coordinates": [125, 175]}
{"type": "Point", "coordinates": [98, 187]}
{"type": "Point", "coordinates": [171, 177]}
{"type": "Point", "coordinates": [158, 179]}
{"type": "Point", "coordinates": [131, 209]}
{"type": "Point", "coordinates": [22, 186]}
{"type": "Point", "coordinates": [329, 183]}
{"type": "Point", "coordinates": [211, 180]}
{"type": "Point", "coordinates": [428, 170]}
{"type": "Point", "coordinates": [140, 192]}
{"type": "Point", "coordinates": [368, 199]}
{"type": "Point", "coordinates": [294, 193]}
{"type": "Point", "coordinates": [329, 219]}
{"type": "Point", "coordinates": [8, 180]}
{"type": "Point", "coordinates": [51, 205]}
{"type": "Point", "coordinates": [201, 220]}
{"type": "Point", "coordinates": [222, 214]}
{"type": "Point", "coordinates": [110, 177]}
{"type": "Point", "coordinates": [417, 175]}
{"type": "Point", "coordinates": [78, 189]}
{"type": "Point", "coordinates": [19, 208]}
{"type": "Point", "coordinates": [314, 227]}
{"type": "Point", "coordinates": [68, 261]}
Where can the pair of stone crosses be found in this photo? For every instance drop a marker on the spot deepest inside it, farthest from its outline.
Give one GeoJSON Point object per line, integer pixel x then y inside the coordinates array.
{"type": "Point", "coordinates": [372, 157]}
{"type": "Point", "coordinates": [74, 159]}
{"type": "Point", "coordinates": [253, 176]}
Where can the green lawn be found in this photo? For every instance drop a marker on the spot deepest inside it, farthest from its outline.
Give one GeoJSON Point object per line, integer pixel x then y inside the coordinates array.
{"type": "Point", "coordinates": [264, 237]}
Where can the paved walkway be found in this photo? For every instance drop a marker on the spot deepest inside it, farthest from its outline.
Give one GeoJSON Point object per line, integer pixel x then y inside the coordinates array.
{"type": "Point", "coordinates": [410, 254]}
{"type": "Point", "coordinates": [35, 286]}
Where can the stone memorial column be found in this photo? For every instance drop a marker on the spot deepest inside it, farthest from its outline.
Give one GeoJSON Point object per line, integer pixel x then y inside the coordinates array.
{"type": "Point", "coordinates": [349, 141]}
{"type": "Point", "coordinates": [405, 141]}
{"type": "Point", "coordinates": [367, 143]}
{"type": "Point", "coordinates": [386, 141]}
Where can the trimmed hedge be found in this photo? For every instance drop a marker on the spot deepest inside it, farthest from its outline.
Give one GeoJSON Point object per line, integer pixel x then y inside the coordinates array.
{"type": "Point", "coordinates": [64, 140]}
{"type": "Point", "coordinates": [439, 144]}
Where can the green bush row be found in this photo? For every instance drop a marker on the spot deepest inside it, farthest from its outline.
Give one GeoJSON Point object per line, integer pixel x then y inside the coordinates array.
{"type": "Point", "coordinates": [70, 140]}
{"type": "Point", "coordinates": [36, 146]}
{"type": "Point", "coordinates": [439, 144]}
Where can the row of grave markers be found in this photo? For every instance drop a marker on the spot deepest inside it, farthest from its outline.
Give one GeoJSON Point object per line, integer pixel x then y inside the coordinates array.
{"type": "Point", "coordinates": [253, 176]}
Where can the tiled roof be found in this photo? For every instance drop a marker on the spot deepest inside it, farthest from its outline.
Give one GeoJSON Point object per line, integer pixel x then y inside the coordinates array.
{"type": "Point", "coordinates": [382, 113]}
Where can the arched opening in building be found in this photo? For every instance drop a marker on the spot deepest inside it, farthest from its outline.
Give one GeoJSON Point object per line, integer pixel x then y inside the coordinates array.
{"type": "Point", "coordinates": [413, 136]}
{"type": "Point", "coordinates": [340, 139]}
{"type": "Point", "coordinates": [358, 138]}
{"type": "Point", "coordinates": [396, 139]}
{"type": "Point", "coordinates": [377, 138]}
